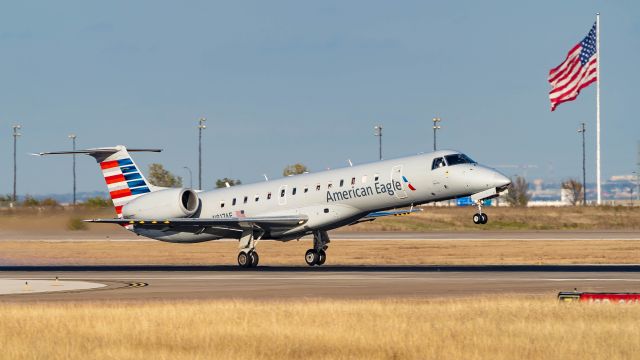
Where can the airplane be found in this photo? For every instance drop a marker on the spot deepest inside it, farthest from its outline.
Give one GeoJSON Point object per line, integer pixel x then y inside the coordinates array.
{"type": "Point", "coordinates": [291, 207]}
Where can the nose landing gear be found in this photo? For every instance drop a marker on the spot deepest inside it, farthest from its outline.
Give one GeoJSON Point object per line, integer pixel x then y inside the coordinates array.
{"type": "Point", "coordinates": [480, 217]}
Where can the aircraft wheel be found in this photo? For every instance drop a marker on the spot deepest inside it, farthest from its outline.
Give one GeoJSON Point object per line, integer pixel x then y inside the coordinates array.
{"type": "Point", "coordinates": [477, 218]}
{"type": "Point", "coordinates": [485, 218]}
{"type": "Point", "coordinates": [322, 257]}
{"type": "Point", "coordinates": [255, 259]}
{"type": "Point", "coordinates": [311, 257]}
{"type": "Point", "coordinates": [244, 259]}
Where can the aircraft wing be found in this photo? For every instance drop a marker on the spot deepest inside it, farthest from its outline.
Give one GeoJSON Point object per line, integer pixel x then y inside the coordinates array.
{"type": "Point", "coordinates": [197, 224]}
{"type": "Point", "coordinates": [378, 214]}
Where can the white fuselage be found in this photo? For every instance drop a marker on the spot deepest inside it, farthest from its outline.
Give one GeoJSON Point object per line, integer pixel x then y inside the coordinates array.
{"type": "Point", "coordinates": [335, 198]}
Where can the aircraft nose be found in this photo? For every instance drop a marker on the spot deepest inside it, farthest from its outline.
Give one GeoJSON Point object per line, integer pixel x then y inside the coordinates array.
{"type": "Point", "coordinates": [500, 180]}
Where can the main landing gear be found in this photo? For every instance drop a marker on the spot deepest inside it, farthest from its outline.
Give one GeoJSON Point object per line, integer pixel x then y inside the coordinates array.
{"type": "Point", "coordinates": [248, 256]}
{"type": "Point", "coordinates": [317, 255]}
{"type": "Point", "coordinates": [247, 259]}
{"type": "Point", "coordinates": [480, 217]}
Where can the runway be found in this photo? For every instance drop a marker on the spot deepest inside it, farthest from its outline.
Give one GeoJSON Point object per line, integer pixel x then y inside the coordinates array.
{"type": "Point", "coordinates": [143, 283]}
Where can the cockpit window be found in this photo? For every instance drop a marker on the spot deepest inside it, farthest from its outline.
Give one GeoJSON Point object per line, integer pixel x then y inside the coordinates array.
{"type": "Point", "coordinates": [438, 163]}
{"type": "Point", "coordinates": [456, 159]}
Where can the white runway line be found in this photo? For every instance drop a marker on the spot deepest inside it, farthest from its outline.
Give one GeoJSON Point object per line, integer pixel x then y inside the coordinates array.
{"type": "Point", "coordinates": [348, 278]}
{"type": "Point", "coordinates": [31, 286]}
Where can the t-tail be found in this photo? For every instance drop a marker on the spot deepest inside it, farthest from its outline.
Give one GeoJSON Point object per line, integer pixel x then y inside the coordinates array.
{"type": "Point", "coordinates": [124, 179]}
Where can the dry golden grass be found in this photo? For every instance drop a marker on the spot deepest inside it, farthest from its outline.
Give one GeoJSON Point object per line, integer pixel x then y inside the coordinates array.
{"type": "Point", "coordinates": [325, 329]}
{"type": "Point", "coordinates": [34, 223]}
{"type": "Point", "coordinates": [341, 252]}
{"type": "Point", "coordinates": [507, 218]}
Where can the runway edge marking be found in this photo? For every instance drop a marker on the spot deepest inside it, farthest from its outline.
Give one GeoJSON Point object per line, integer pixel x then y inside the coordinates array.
{"type": "Point", "coordinates": [137, 284]}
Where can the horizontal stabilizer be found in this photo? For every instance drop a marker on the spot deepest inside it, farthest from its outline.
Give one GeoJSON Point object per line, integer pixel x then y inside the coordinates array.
{"type": "Point", "coordinates": [105, 150]}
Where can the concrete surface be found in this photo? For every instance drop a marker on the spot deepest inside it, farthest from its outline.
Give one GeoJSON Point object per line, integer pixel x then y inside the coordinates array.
{"type": "Point", "coordinates": [359, 282]}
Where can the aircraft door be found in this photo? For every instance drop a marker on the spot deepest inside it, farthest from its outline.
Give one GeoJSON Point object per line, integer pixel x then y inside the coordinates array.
{"type": "Point", "coordinates": [282, 195]}
{"type": "Point", "coordinates": [439, 175]}
{"type": "Point", "coordinates": [396, 177]}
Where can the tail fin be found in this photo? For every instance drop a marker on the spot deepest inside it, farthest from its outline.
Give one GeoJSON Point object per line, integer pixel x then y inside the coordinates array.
{"type": "Point", "coordinates": [124, 179]}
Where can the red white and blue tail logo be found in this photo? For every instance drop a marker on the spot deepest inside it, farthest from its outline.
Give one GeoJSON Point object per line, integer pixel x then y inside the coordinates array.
{"type": "Point", "coordinates": [124, 180]}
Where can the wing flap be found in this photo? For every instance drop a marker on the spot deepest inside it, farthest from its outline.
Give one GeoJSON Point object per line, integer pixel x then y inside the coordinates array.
{"type": "Point", "coordinates": [379, 214]}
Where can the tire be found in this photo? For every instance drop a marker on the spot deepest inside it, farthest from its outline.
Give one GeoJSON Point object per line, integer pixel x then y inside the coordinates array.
{"type": "Point", "coordinates": [311, 257]}
{"type": "Point", "coordinates": [322, 257]}
{"type": "Point", "coordinates": [255, 259]}
{"type": "Point", "coordinates": [477, 219]}
{"type": "Point", "coordinates": [485, 218]}
{"type": "Point", "coordinates": [244, 259]}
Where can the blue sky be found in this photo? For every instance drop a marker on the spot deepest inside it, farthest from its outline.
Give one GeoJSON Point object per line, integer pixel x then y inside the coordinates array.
{"type": "Point", "coordinates": [292, 81]}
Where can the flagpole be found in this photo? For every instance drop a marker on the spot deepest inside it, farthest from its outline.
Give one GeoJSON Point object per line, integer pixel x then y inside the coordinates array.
{"type": "Point", "coordinates": [598, 182]}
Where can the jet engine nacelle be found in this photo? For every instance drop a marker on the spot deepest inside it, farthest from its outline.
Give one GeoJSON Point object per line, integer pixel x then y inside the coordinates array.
{"type": "Point", "coordinates": [162, 204]}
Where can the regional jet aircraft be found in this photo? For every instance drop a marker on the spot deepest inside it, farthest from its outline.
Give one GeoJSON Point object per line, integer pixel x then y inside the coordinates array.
{"type": "Point", "coordinates": [292, 207]}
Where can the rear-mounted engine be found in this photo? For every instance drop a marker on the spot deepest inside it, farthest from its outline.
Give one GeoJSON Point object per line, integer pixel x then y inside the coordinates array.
{"type": "Point", "coordinates": [163, 204]}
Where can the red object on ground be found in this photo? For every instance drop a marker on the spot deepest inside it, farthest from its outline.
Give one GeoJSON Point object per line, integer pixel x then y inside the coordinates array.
{"type": "Point", "coordinates": [600, 297]}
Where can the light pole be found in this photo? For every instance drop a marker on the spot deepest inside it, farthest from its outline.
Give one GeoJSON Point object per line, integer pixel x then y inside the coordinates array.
{"type": "Point", "coordinates": [201, 126]}
{"type": "Point", "coordinates": [638, 185]}
{"type": "Point", "coordinates": [73, 139]}
{"type": "Point", "coordinates": [637, 176]}
{"type": "Point", "coordinates": [584, 169]}
{"type": "Point", "coordinates": [16, 127]}
{"type": "Point", "coordinates": [436, 127]}
{"type": "Point", "coordinates": [190, 176]}
{"type": "Point", "coordinates": [377, 131]}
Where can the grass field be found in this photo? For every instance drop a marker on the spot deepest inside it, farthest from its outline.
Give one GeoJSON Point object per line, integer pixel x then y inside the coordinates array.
{"type": "Point", "coordinates": [46, 221]}
{"type": "Point", "coordinates": [507, 218]}
{"type": "Point", "coordinates": [329, 329]}
{"type": "Point", "coordinates": [58, 224]}
{"type": "Point", "coordinates": [341, 252]}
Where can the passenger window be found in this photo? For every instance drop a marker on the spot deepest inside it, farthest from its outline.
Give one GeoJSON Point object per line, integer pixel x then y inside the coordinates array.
{"type": "Point", "coordinates": [257, 198]}
{"type": "Point", "coordinates": [293, 192]}
{"type": "Point", "coordinates": [221, 204]}
{"type": "Point", "coordinates": [269, 196]}
{"type": "Point", "coordinates": [318, 187]}
{"type": "Point", "coordinates": [245, 199]}
{"type": "Point", "coordinates": [376, 177]}
{"type": "Point", "coordinates": [306, 189]}
{"type": "Point", "coordinates": [282, 193]}
{"type": "Point", "coordinates": [329, 186]}
{"type": "Point", "coordinates": [233, 202]}
{"type": "Point", "coordinates": [353, 181]}
{"type": "Point", "coordinates": [438, 163]}
{"type": "Point", "coordinates": [341, 182]}
{"type": "Point", "coordinates": [364, 179]}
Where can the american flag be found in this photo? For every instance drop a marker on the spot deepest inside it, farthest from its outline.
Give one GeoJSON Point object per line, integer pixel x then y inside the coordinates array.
{"type": "Point", "coordinates": [576, 72]}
